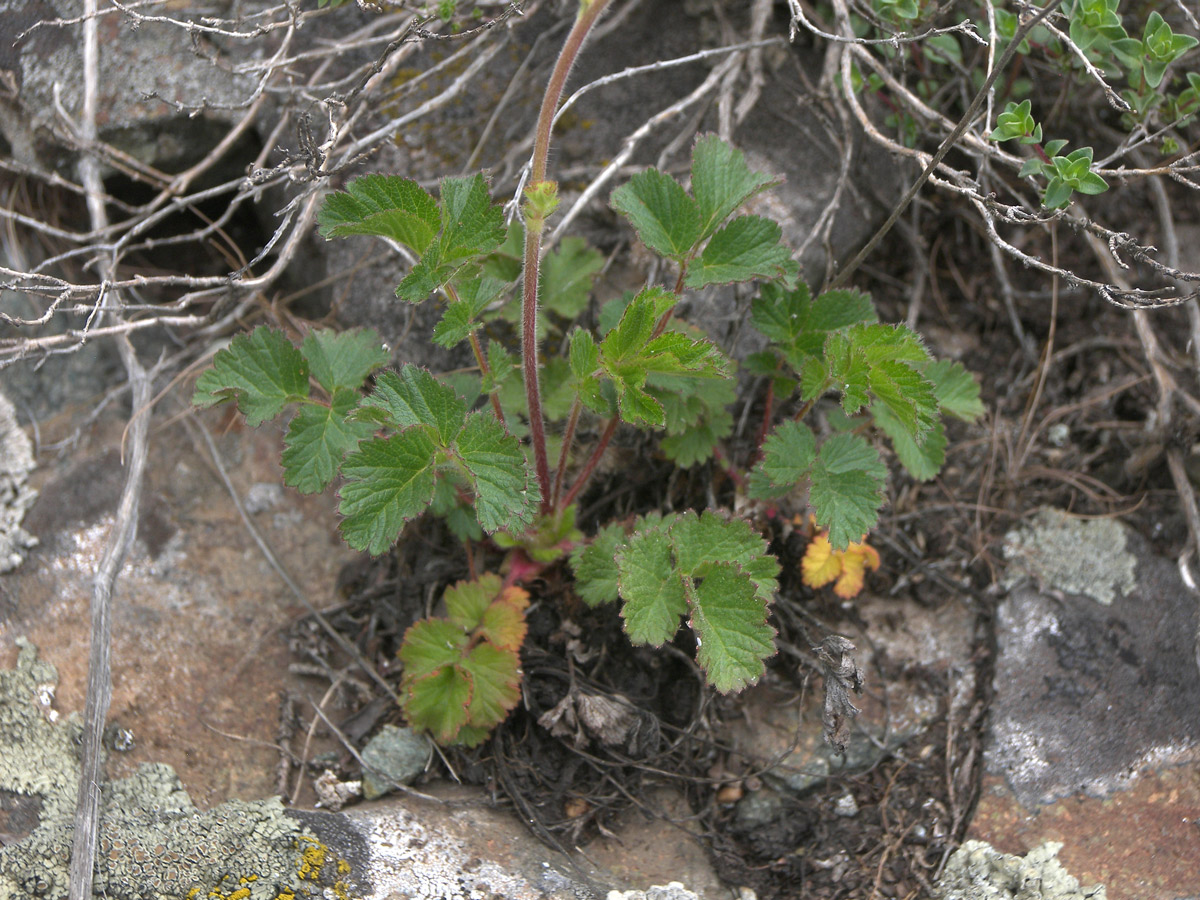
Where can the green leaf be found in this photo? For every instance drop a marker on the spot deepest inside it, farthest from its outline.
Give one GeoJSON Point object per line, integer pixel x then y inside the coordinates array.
{"type": "Point", "coordinates": [846, 488]}
{"type": "Point", "coordinates": [467, 601]}
{"type": "Point", "coordinates": [438, 703]}
{"type": "Point", "coordinates": [496, 678]}
{"type": "Point", "coordinates": [388, 482]}
{"type": "Point", "coordinates": [595, 566]}
{"type": "Point", "coordinates": [651, 587]}
{"type": "Point", "coordinates": [746, 248]}
{"type": "Point", "coordinates": [707, 539]}
{"type": "Point", "coordinates": [317, 439]}
{"type": "Point", "coordinates": [799, 325]}
{"type": "Point", "coordinates": [667, 220]}
{"type": "Point", "coordinates": [472, 226]}
{"type": "Point", "coordinates": [722, 182]}
{"type": "Point", "coordinates": [922, 461]}
{"type": "Point", "coordinates": [906, 394]}
{"type": "Point", "coordinates": [262, 371]}
{"type": "Point", "coordinates": [625, 357]}
{"type": "Point", "coordinates": [412, 396]}
{"type": "Point", "coordinates": [429, 645]}
{"type": "Point", "coordinates": [462, 315]}
{"type": "Point", "coordinates": [345, 359]}
{"type": "Point", "coordinates": [460, 518]}
{"type": "Point", "coordinates": [567, 277]}
{"type": "Point", "coordinates": [788, 453]}
{"type": "Point", "coordinates": [383, 205]}
{"type": "Point", "coordinates": [505, 495]}
{"type": "Point", "coordinates": [956, 390]}
{"type": "Point", "coordinates": [695, 444]}
{"type": "Point", "coordinates": [732, 635]}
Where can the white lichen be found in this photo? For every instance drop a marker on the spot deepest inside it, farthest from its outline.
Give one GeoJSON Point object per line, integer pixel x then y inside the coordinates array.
{"type": "Point", "coordinates": [977, 871]}
{"type": "Point", "coordinates": [16, 495]}
{"type": "Point", "coordinates": [1077, 556]}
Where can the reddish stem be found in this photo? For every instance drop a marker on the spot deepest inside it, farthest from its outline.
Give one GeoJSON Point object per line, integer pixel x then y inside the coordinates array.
{"type": "Point", "coordinates": [568, 438]}
{"type": "Point", "coordinates": [768, 403]}
{"type": "Point", "coordinates": [487, 370]}
{"type": "Point", "coordinates": [588, 15]}
{"type": "Point", "coordinates": [590, 466]}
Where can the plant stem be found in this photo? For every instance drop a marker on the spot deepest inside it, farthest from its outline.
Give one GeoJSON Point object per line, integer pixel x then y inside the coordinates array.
{"type": "Point", "coordinates": [590, 11]}
{"type": "Point", "coordinates": [486, 370]}
{"type": "Point", "coordinates": [590, 466]}
{"type": "Point", "coordinates": [568, 438]}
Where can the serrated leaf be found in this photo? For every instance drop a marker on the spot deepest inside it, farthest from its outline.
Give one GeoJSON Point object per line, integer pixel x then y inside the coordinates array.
{"type": "Point", "coordinates": [888, 343]}
{"type": "Point", "coordinates": [799, 324]}
{"type": "Point", "coordinates": [439, 702]}
{"type": "Point", "coordinates": [388, 482]}
{"type": "Point", "coordinates": [472, 226]}
{"type": "Point", "coordinates": [746, 248]}
{"type": "Point", "coordinates": [722, 182]}
{"type": "Point", "coordinates": [628, 339]}
{"type": "Point", "coordinates": [846, 488]}
{"type": "Point", "coordinates": [788, 453]}
{"type": "Point", "coordinates": [732, 634]}
{"type": "Point", "coordinates": [595, 566]}
{"type": "Point", "coordinates": [459, 518]}
{"type": "Point", "coordinates": [343, 359]}
{"type": "Point", "coordinates": [667, 220]}
{"type": "Point", "coordinates": [700, 541]}
{"type": "Point", "coordinates": [922, 461]}
{"type": "Point", "coordinates": [462, 315]}
{"type": "Point", "coordinates": [651, 587]}
{"type": "Point", "coordinates": [262, 371]}
{"type": "Point", "coordinates": [906, 394]}
{"type": "Point", "coordinates": [503, 621]}
{"type": "Point", "coordinates": [467, 601]}
{"type": "Point", "coordinates": [673, 353]}
{"type": "Point", "coordinates": [567, 276]}
{"type": "Point", "coordinates": [429, 645]}
{"type": "Point", "coordinates": [383, 205]}
{"type": "Point", "coordinates": [505, 496]}
{"type": "Point", "coordinates": [496, 680]}
{"type": "Point", "coordinates": [317, 439]}
{"type": "Point", "coordinates": [956, 390]}
{"type": "Point", "coordinates": [411, 397]}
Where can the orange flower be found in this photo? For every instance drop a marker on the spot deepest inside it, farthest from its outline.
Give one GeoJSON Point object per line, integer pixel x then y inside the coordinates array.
{"type": "Point", "coordinates": [822, 564]}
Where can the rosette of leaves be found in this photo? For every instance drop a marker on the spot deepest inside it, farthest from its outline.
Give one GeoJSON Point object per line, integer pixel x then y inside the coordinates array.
{"type": "Point", "coordinates": [835, 344]}
{"type": "Point", "coordinates": [462, 672]}
{"type": "Point", "coordinates": [712, 570]}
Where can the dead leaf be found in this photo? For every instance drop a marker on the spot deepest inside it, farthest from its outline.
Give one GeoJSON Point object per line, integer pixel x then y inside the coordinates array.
{"type": "Point", "coordinates": [842, 675]}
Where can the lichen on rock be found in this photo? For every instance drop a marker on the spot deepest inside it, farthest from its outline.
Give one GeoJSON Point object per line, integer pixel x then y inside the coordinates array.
{"type": "Point", "coordinates": [977, 871]}
{"type": "Point", "coordinates": [154, 843]}
{"type": "Point", "coordinates": [1078, 556]}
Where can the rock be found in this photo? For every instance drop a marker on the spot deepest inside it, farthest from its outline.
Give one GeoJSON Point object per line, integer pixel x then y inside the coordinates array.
{"type": "Point", "coordinates": [148, 71]}
{"type": "Point", "coordinates": [1096, 682]}
{"type": "Point", "coordinates": [394, 756]}
{"type": "Point", "coordinates": [977, 871]}
{"type": "Point", "coordinates": [16, 495]}
{"type": "Point", "coordinates": [673, 891]}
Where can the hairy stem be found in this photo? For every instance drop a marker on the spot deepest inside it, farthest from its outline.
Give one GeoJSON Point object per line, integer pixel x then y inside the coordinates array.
{"type": "Point", "coordinates": [564, 454]}
{"type": "Point", "coordinates": [593, 460]}
{"type": "Point", "coordinates": [535, 221]}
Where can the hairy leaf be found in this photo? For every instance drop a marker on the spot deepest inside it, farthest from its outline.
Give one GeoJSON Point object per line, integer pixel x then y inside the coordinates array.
{"type": "Point", "coordinates": [923, 461]}
{"type": "Point", "coordinates": [413, 396]}
{"type": "Point", "coordinates": [383, 205]}
{"type": "Point", "coordinates": [262, 371]}
{"type": "Point", "coordinates": [788, 453]}
{"type": "Point", "coordinates": [651, 587]}
{"type": "Point", "coordinates": [701, 541]}
{"type": "Point", "coordinates": [317, 439]}
{"type": "Point", "coordinates": [595, 566]}
{"type": "Point", "coordinates": [956, 389]}
{"type": "Point", "coordinates": [496, 677]}
{"type": "Point", "coordinates": [439, 702]}
{"type": "Point", "coordinates": [722, 182]}
{"type": "Point", "coordinates": [343, 359]}
{"type": "Point", "coordinates": [746, 248]}
{"type": "Point", "coordinates": [462, 315]}
{"type": "Point", "coordinates": [388, 482]}
{"type": "Point", "coordinates": [846, 488]}
{"type": "Point", "coordinates": [666, 219]}
{"type": "Point", "coordinates": [505, 496]}
{"type": "Point", "coordinates": [730, 621]}
{"type": "Point", "coordinates": [567, 277]}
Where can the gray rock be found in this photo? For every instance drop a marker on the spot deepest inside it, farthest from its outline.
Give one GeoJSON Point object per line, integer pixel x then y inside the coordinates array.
{"type": "Point", "coordinates": [394, 756]}
{"type": "Point", "coordinates": [671, 891]}
{"type": "Point", "coordinates": [758, 808]}
{"type": "Point", "coordinates": [977, 871]}
{"type": "Point", "coordinates": [1089, 688]}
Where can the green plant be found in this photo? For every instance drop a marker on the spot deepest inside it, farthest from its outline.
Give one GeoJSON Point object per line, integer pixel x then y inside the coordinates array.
{"type": "Point", "coordinates": [406, 442]}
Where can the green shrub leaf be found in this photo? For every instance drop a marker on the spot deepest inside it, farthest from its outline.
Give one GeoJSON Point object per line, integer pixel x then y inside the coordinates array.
{"type": "Point", "coordinates": [506, 497]}
{"type": "Point", "coordinates": [317, 439]}
{"type": "Point", "coordinates": [732, 634]}
{"type": "Point", "coordinates": [746, 248]}
{"type": "Point", "coordinates": [651, 587]}
{"type": "Point", "coordinates": [595, 566]}
{"type": "Point", "coordinates": [388, 482]}
{"type": "Point", "coordinates": [922, 461]}
{"type": "Point", "coordinates": [788, 453]}
{"type": "Point", "coordinates": [722, 182]}
{"type": "Point", "coordinates": [413, 396]}
{"type": "Point", "coordinates": [382, 205]}
{"type": "Point", "coordinates": [462, 315]}
{"type": "Point", "coordinates": [262, 371]}
{"type": "Point", "coordinates": [567, 277]}
{"type": "Point", "coordinates": [667, 220]}
{"type": "Point", "coordinates": [846, 488]}
{"type": "Point", "coordinates": [343, 359]}
{"type": "Point", "coordinates": [956, 389]}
